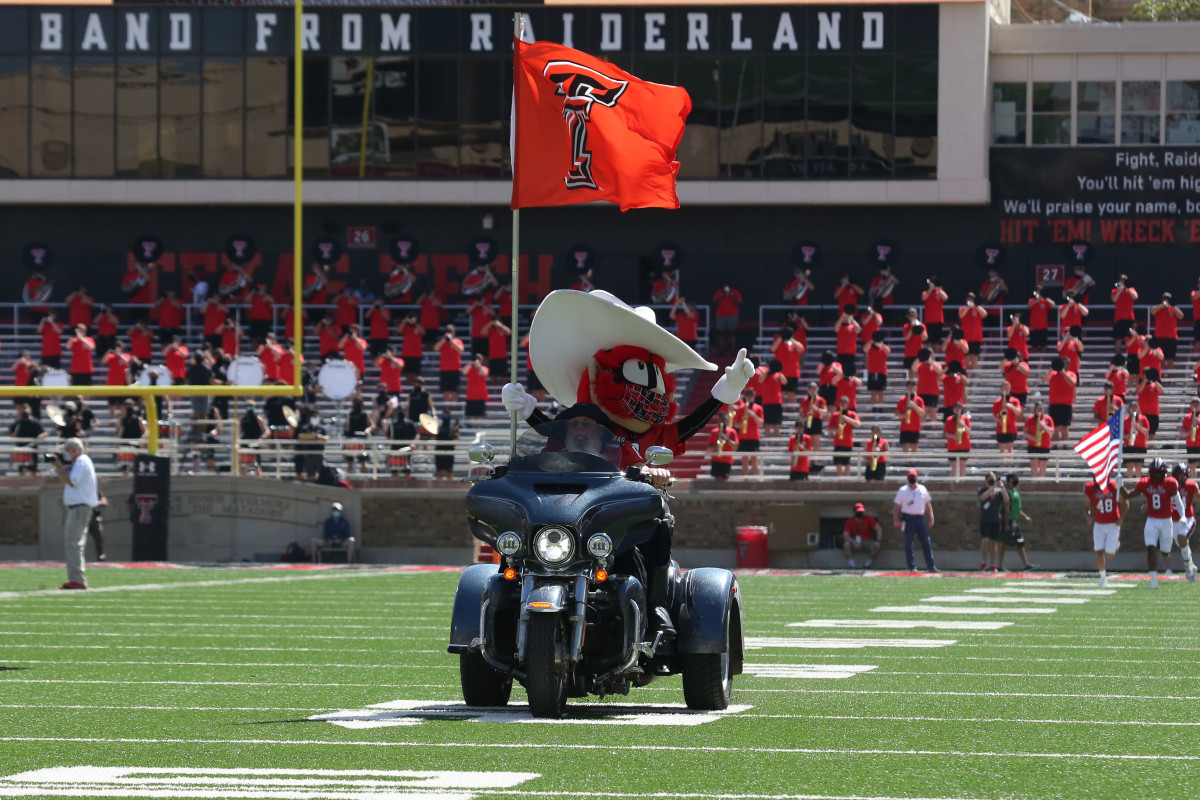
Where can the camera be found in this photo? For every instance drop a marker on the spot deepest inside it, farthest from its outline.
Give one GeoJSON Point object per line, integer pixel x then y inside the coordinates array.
{"type": "Point", "coordinates": [52, 458]}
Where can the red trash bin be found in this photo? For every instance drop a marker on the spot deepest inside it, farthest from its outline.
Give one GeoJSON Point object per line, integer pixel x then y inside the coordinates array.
{"type": "Point", "coordinates": [752, 547]}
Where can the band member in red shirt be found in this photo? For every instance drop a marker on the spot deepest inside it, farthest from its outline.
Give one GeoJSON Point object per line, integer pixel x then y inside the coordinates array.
{"type": "Point", "coordinates": [1183, 518]}
{"type": "Point", "coordinates": [171, 314]}
{"type": "Point", "coordinates": [105, 324]}
{"type": "Point", "coordinates": [449, 349]}
{"type": "Point", "coordinates": [175, 357]}
{"type": "Point", "coordinates": [289, 319]}
{"type": "Point", "coordinates": [51, 332]}
{"type": "Point", "coordinates": [829, 372]}
{"type": "Point", "coordinates": [799, 445]}
{"type": "Point", "coordinates": [993, 289]}
{"type": "Point", "coordinates": [82, 365]}
{"type": "Point", "coordinates": [798, 288]}
{"type": "Point", "coordinates": [1123, 297]}
{"type": "Point", "coordinates": [270, 354]}
{"type": "Point", "coordinates": [1149, 393]}
{"type": "Point", "coordinates": [431, 314]}
{"type": "Point", "coordinates": [498, 335]}
{"type": "Point", "coordinates": [729, 305]}
{"type": "Point", "coordinates": [957, 349]}
{"type": "Point", "coordinates": [138, 286]}
{"type": "Point", "coordinates": [117, 363]}
{"type": "Point", "coordinates": [971, 317]}
{"type": "Point", "coordinates": [934, 298]}
{"type": "Point", "coordinates": [79, 305]}
{"type": "Point", "coordinates": [261, 313]}
{"type": "Point", "coordinates": [1106, 405]}
{"type": "Point", "coordinates": [1070, 347]}
{"type": "Point", "coordinates": [875, 456]}
{"type": "Point", "coordinates": [329, 337]}
{"type": "Point", "coordinates": [687, 321]}
{"type": "Point", "coordinates": [882, 287]}
{"type": "Point", "coordinates": [141, 342]}
{"type": "Point", "coordinates": [354, 349]}
{"type": "Point", "coordinates": [1062, 384]}
{"type": "Point", "coordinates": [957, 428]}
{"type": "Point", "coordinates": [411, 345]}
{"type": "Point", "coordinates": [215, 314]}
{"type": "Point", "coordinates": [770, 388]}
{"type": "Point", "coordinates": [477, 387]}
{"type": "Point", "coordinates": [1039, 319]}
{"type": "Point", "coordinates": [813, 410]}
{"type": "Point", "coordinates": [954, 387]}
{"type": "Point", "coordinates": [1135, 343]}
{"type": "Point", "coordinates": [234, 284]}
{"type": "Point", "coordinates": [480, 314]}
{"type": "Point", "coordinates": [231, 338]}
{"type": "Point", "coordinates": [287, 363]}
{"type": "Point", "coordinates": [347, 308]}
{"type": "Point", "coordinates": [876, 355]}
{"type": "Point", "coordinates": [1071, 313]}
{"type": "Point", "coordinates": [1162, 496]}
{"type": "Point", "coordinates": [1136, 438]}
{"type": "Point", "coordinates": [747, 417]}
{"type": "Point", "coordinates": [1166, 327]}
{"type": "Point", "coordinates": [1039, 431]}
{"type": "Point", "coordinates": [1018, 336]}
{"type": "Point", "coordinates": [910, 410]}
{"type": "Point", "coordinates": [379, 326]}
{"type": "Point", "coordinates": [1006, 410]}
{"type": "Point", "coordinates": [790, 353]}
{"type": "Point", "coordinates": [843, 423]}
{"type": "Point", "coordinates": [928, 374]}
{"type": "Point", "coordinates": [870, 322]}
{"type": "Point", "coordinates": [847, 292]}
{"type": "Point", "coordinates": [915, 339]}
{"type": "Point", "coordinates": [861, 532]}
{"type": "Point", "coordinates": [398, 288]}
{"type": "Point", "coordinates": [316, 285]}
{"type": "Point", "coordinates": [1104, 508]}
{"type": "Point", "coordinates": [847, 329]}
{"type": "Point", "coordinates": [391, 377]}
{"type": "Point", "coordinates": [1191, 432]}
{"type": "Point", "coordinates": [1016, 372]}
{"type": "Point", "coordinates": [722, 443]}
{"type": "Point", "coordinates": [1117, 375]}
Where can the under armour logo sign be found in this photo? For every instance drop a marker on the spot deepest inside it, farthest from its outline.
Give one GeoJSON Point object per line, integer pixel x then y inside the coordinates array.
{"type": "Point", "coordinates": [147, 467]}
{"type": "Point", "coordinates": [991, 254]}
{"type": "Point", "coordinates": [581, 257]}
{"type": "Point", "coordinates": [883, 250]}
{"type": "Point", "coordinates": [483, 249]}
{"type": "Point", "coordinates": [148, 249]}
{"type": "Point", "coordinates": [808, 252]}
{"type": "Point", "coordinates": [1080, 251]}
{"type": "Point", "coordinates": [582, 87]}
{"type": "Point", "coordinates": [668, 257]}
{"type": "Point", "coordinates": [146, 503]}
{"type": "Point", "coordinates": [239, 248]}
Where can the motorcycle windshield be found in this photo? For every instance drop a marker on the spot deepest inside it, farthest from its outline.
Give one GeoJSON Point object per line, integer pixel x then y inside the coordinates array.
{"type": "Point", "coordinates": [574, 445]}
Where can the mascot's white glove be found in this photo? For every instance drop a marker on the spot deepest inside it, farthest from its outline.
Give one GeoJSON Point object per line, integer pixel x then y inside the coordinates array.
{"type": "Point", "coordinates": [728, 387]}
{"type": "Point", "coordinates": [514, 398]}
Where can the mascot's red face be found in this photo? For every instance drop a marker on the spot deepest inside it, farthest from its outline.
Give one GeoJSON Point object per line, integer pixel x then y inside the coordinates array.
{"type": "Point", "coordinates": [631, 386]}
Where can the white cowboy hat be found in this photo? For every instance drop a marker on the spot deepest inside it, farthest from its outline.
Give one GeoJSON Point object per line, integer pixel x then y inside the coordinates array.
{"type": "Point", "coordinates": [571, 326]}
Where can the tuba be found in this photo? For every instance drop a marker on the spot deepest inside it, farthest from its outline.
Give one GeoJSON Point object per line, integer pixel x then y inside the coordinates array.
{"type": "Point", "coordinates": [235, 287]}
{"type": "Point", "coordinates": [992, 293]}
{"type": "Point", "coordinates": [795, 294]}
{"type": "Point", "coordinates": [476, 283]}
{"type": "Point", "coordinates": [39, 295]}
{"type": "Point", "coordinates": [320, 278]}
{"type": "Point", "coordinates": [399, 283]}
{"type": "Point", "coordinates": [880, 290]}
{"type": "Point", "coordinates": [669, 293]}
{"type": "Point", "coordinates": [134, 284]}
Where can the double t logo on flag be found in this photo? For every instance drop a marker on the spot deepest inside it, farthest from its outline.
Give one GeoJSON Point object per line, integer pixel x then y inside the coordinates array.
{"type": "Point", "coordinates": [585, 130]}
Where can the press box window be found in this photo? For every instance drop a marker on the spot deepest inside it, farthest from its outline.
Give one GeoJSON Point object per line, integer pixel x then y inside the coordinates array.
{"type": "Point", "coordinates": [1051, 122]}
{"type": "Point", "coordinates": [1183, 112]}
{"type": "Point", "coordinates": [1009, 113]}
{"type": "Point", "coordinates": [1141, 104]}
{"type": "Point", "coordinates": [1096, 117]}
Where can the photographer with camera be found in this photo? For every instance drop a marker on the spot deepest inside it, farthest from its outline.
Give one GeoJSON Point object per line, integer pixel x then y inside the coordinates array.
{"type": "Point", "coordinates": [77, 474]}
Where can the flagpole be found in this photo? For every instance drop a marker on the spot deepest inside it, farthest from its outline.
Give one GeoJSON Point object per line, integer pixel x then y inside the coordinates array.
{"type": "Point", "coordinates": [515, 266]}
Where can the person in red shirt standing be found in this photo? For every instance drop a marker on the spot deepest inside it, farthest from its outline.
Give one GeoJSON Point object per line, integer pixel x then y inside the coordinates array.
{"type": "Point", "coordinates": [847, 329]}
{"type": "Point", "coordinates": [1106, 405]}
{"type": "Point", "coordinates": [287, 363]}
{"type": "Point", "coordinates": [391, 378]}
{"type": "Point", "coordinates": [1104, 508]}
{"type": "Point", "coordinates": [1135, 343]}
{"type": "Point", "coordinates": [1183, 518]}
{"type": "Point", "coordinates": [1071, 313]}
{"type": "Point", "coordinates": [477, 387]}
{"type": "Point", "coordinates": [798, 288]}
{"type": "Point", "coordinates": [347, 308]}
{"type": "Point", "coordinates": [116, 362]}
{"type": "Point", "coordinates": [1039, 319]}
{"type": "Point", "coordinates": [138, 286]}
{"type": "Point", "coordinates": [1006, 410]}
{"type": "Point", "coordinates": [450, 368]}
{"type": "Point", "coordinates": [957, 349]}
{"type": "Point", "coordinates": [1016, 372]}
{"type": "Point", "coordinates": [882, 287]}
{"type": "Point", "coordinates": [231, 338]}
{"type": "Point", "coordinates": [316, 285]}
{"type": "Point", "coordinates": [1062, 384]}
{"type": "Point", "coordinates": [722, 443]}
{"type": "Point", "coordinates": [79, 305]}
{"type": "Point", "coordinates": [954, 387]}
{"type": "Point", "coordinates": [25, 369]}
{"type": "Point", "coordinates": [480, 314]}
{"type": "Point", "coordinates": [870, 322]}
{"type": "Point", "coordinates": [847, 292]}
{"type": "Point", "coordinates": [1080, 284]}
{"type": "Point", "coordinates": [1117, 375]}
{"type": "Point", "coordinates": [106, 329]}
{"type": "Point", "coordinates": [957, 428]}
{"type": "Point", "coordinates": [829, 372]}
{"type": "Point", "coordinates": [82, 365]}
{"type": "Point", "coordinates": [934, 297]}
{"type": "Point", "coordinates": [412, 348]}
{"type": "Point", "coordinates": [498, 336]}
{"type": "Point", "coordinates": [1149, 357]}
{"type": "Point", "coordinates": [141, 342]}
{"type": "Point", "coordinates": [876, 353]}
{"type": "Point", "coordinates": [799, 445]}
{"type": "Point", "coordinates": [51, 331]}
{"type": "Point", "coordinates": [993, 289]}
{"type": "Point", "coordinates": [770, 388]}
{"type": "Point", "coordinates": [1196, 318]}
{"type": "Point", "coordinates": [269, 353]}
{"type": "Point", "coordinates": [233, 284]}
{"type": "Point", "coordinates": [861, 532]}
{"type": "Point", "coordinates": [1149, 392]}
{"type": "Point", "coordinates": [910, 410]}
{"type": "Point", "coordinates": [261, 313]}
{"type": "Point", "coordinates": [170, 317]}
{"type": "Point", "coordinates": [175, 357]}
{"type": "Point", "coordinates": [687, 322]}
{"type": "Point", "coordinates": [329, 337]}
{"type": "Point", "coordinates": [1135, 438]}
{"type": "Point", "coordinates": [728, 312]}
{"type": "Point", "coordinates": [1123, 297]}
{"type": "Point", "coordinates": [790, 353]}
{"type": "Point", "coordinates": [1166, 328]}
{"type": "Point", "coordinates": [928, 374]}
{"type": "Point", "coordinates": [1162, 496]}
{"type": "Point", "coordinates": [971, 317]}
{"type": "Point", "coordinates": [843, 423]}
{"type": "Point", "coordinates": [1191, 432]}
{"type": "Point", "coordinates": [1070, 347]}
{"type": "Point", "coordinates": [1039, 431]}
{"type": "Point", "coordinates": [747, 417]}
{"type": "Point", "coordinates": [1018, 336]}
{"type": "Point", "coordinates": [354, 350]}
{"type": "Point", "coordinates": [215, 314]}
{"type": "Point", "coordinates": [813, 410]}
{"type": "Point", "coordinates": [875, 457]}
{"type": "Point", "coordinates": [431, 314]}
{"type": "Point", "coordinates": [915, 340]}
{"type": "Point", "coordinates": [289, 320]}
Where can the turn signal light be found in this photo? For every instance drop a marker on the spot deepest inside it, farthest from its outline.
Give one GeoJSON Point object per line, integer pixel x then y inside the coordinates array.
{"type": "Point", "coordinates": [510, 574]}
{"type": "Point", "coordinates": [601, 576]}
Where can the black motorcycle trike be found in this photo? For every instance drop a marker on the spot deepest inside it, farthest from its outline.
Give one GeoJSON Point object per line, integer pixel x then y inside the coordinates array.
{"type": "Point", "coordinates": [563, 612]}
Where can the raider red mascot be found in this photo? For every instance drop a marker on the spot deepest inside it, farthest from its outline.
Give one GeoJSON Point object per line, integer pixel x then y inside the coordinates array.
{"type": "Point", "coordinates": [615, 362]}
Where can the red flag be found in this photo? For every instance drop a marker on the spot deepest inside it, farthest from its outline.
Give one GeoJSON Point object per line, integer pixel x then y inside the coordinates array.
{"type": "Point", "coordinates": [586, 130]}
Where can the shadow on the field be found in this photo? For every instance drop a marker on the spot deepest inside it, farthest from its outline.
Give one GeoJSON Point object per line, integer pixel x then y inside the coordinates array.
{"type": "Point", "coordinates": [11, 669]}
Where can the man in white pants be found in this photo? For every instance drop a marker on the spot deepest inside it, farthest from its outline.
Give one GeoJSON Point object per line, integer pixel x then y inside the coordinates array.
{"type": "Point", "coordinates": [1162, 498]}
{"type": "Point", "coordinates": [77, 474]}
{"type": "Point", "coordinates": [1104, 509]}
{"type": "Point", "coordinates": [1184, 520]}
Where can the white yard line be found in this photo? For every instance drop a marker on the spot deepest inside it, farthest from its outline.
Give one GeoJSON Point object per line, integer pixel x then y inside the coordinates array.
{"type": "Point", "coordinates": [1089, 581]}
{"type": "Point", "coordinates": [1038, 590]}
{"type": "Point", "coordinates": [943, 625]}
{"type": "Point", "coordinates": [153, 587]}
{"type": "Point", "coordinates": [610, 747]}
{"type": "Point", "coordinates": [960, 610]}
{"type": "Point", "coordinates": [755, 642]}
{"type": "Point", "coordinates": [967, 598]}
{"type": "Point", "coordinates": [280, 664]}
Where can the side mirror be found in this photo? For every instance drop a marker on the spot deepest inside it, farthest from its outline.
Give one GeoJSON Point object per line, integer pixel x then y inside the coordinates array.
{"type": "Point", "coordinates": [483, 453]}
{"type": "Point", "coordinates": [659, 456]}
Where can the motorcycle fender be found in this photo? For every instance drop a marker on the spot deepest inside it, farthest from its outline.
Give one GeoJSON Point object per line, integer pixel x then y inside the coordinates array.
{"type": "Point", "coordinates": [711, 615]}
{"type": "Point", "coordinates": [464, 622]}
{"type": "Point", "coordinates": [549, 598]}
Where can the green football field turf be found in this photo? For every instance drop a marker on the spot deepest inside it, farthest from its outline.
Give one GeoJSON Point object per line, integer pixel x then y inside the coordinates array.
{"type": "Point", "coordinates": [211, 683]}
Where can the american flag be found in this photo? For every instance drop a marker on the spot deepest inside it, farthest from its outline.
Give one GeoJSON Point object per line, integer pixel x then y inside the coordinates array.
{"type": "Point", "coordinates": [1101, 448]}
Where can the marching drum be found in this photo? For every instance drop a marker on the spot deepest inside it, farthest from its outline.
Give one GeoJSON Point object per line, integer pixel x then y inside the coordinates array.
{"type": "Point", "coordinates": [56, 377]}
{"type": "Point", "coordinates": [155, 376]}
{"type": "Point", "coordinates": [337, 379]}
{"type": "Point", "coordinates": [245, 371]}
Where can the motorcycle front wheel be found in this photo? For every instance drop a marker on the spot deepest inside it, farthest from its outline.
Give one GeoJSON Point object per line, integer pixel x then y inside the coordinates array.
{"type": "Point", "coordinates": [482, 685]}
{"type": "Point", "coordinates": [545, 679]}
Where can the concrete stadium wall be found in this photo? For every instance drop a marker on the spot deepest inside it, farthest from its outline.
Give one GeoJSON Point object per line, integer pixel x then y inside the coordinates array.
{"type": "Point", "coordinates": [220, 520]}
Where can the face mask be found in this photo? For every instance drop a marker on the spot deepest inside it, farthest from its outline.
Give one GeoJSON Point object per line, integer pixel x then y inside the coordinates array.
{"type": "Point", "coordinates": [336, 514]}
{"type": "Point", "coordinates": [858, 515]}
{"type": "Point", "coordinates": [912, 481]}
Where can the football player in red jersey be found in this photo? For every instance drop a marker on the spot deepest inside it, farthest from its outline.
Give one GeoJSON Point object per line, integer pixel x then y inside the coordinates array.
{"type": "Point", "coordinates": [1105, 504]}
{"type": "Point", "coordinates": [1184, 523]}
{"type": "Point", "coordinates": [1162, 496]}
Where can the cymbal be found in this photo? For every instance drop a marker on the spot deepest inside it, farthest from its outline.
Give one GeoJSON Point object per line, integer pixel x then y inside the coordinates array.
{"type": "Point", "coordinates": [56, 415]}
{"type": "Point", "coordinates": [429, 422]}
{"type": "Point", "coordinates": [289, 413]}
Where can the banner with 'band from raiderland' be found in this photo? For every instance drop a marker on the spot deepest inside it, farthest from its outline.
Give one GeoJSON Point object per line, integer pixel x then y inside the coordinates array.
{"type": "Point", "coordinates": [1102, 195]}
{"type": "Point", "coordinates": [470, 30]}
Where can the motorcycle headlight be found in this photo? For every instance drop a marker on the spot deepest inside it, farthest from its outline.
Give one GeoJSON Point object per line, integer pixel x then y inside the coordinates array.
{"type": "Point", "coordinates": [553, 545]}
{"type": "Point", "coordinates": [599, 545]}
{"type": "Point", "coordinates": [508, 543]}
